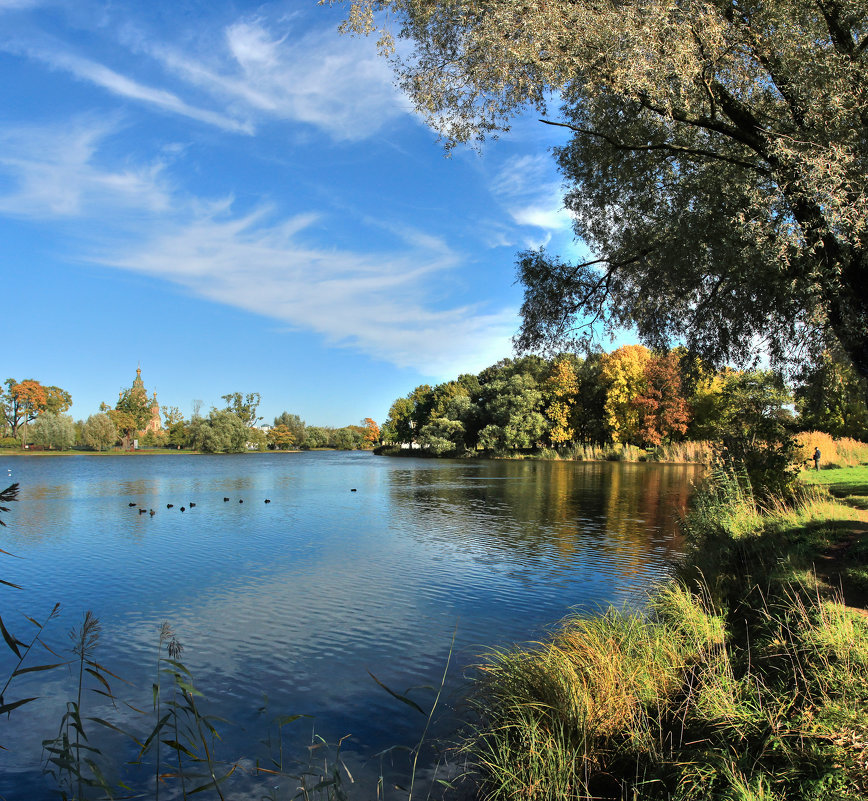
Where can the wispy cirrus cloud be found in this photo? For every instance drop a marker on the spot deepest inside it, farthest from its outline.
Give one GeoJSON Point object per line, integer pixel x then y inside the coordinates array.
{"type": "Point", "coordinates": [378, 302]}
{"type": "Point", "coordinates": [375, 303]}
{"type": "Point", "coordinates": [250, 72]}
{"type": "Point", "coordinates": [529, 190]}
{"type": "Point", "coordinates": [338, 85]}
{"type": "Point", "coordinates": [56, 56]}
{"type": "Point", "coordinates": [53, 171]}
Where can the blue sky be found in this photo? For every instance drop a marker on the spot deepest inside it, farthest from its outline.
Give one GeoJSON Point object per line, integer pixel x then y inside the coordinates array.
{"type": "Point", "coordinates": [237, 198]}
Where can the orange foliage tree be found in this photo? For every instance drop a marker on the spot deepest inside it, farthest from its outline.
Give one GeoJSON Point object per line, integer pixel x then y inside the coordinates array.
{"type": "Point", "coordinates": [663, 411]}
{"type": "Point", "coordinates": [280, 437]}
{"type": "Point", "coordinates": [623, 372]}
{"type": "Point", "coordinates": [22, 402]}
{"type": "Point", "coordinates": [372, 431]}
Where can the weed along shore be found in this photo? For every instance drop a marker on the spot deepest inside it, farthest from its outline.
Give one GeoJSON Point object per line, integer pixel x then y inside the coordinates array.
{"type": "Point", "coordinates": [747, 678]}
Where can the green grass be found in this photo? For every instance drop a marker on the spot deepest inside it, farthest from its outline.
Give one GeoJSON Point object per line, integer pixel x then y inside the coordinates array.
{"type": "Point", "coordinates": [747, 677]}
{"type": "Point", "coordinates": [850, 484]}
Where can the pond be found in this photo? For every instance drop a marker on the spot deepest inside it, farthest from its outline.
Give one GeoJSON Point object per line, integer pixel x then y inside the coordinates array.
{"type": "Point", "coordinates": [290, 578]}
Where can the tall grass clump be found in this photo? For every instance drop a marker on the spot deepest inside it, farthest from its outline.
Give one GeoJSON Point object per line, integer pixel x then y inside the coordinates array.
{"type": "Point", "coordinates": [842, 452]}
{"type": "Point", "coordinates": [699, 452]}
{"type": "Point", "coordinates": [743, 679]}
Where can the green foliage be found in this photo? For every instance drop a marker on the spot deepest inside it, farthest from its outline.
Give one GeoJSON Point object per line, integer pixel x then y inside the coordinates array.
{"type": "Point", "coordinates": [294, 425]}
{"type": "Point", "coordinates": [53, 431]}
{"type": "Point", "coordinates": [221, 432]}
{"type": "Point", "coordinates": [512, 402]}
{"type": "Point", "coordinates": [442, 435]}
{"type": "Point", "coordinates": [70, 759]}
{"type": "Point", "coordinates": [243, 407]}
{"type": "Point", "coordinates": [631, 396]}
{"type": "Point", "coordinates": [9, 442]}
{"type": "Point", "coordinates": [830, 397]}
{"type": "Point", "coordinates": [399, 423]}
{"type": "Point", "coordinates": [135, 407]}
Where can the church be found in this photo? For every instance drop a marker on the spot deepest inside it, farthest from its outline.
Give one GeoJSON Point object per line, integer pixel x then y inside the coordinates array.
{"type": "Point", "coordinates": [138, 389]}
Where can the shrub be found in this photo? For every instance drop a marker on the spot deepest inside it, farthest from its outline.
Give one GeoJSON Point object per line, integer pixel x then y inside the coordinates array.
{"type": "Point", "coordinates": [10, 442]}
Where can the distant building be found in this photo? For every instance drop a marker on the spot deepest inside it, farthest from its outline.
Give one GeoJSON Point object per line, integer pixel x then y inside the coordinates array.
{"type": "Point", "coordinates": [154, 424]}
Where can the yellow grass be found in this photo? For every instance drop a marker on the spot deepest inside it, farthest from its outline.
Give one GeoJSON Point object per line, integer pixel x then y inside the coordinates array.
{"type": "Point", "coordinates": [844, 452]}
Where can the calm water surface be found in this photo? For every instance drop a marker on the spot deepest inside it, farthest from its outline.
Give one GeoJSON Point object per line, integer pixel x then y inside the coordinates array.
{"type": "Point", "coordinates": [283, 608]}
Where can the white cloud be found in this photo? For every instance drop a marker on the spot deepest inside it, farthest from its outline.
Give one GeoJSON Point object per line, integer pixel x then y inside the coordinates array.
{"type": "Point", "coordinates": [374, 303]}
{"type": "Point", "coordinates": [337, 84]}
{"type": "Point", "coordinates": [528, 189]}
{"type": "Point", "coordinates": [55, 56]}
{"type": "Point", "coordinates": [379, 303]}
{"type": "Point", "coordinates": [53, 172]}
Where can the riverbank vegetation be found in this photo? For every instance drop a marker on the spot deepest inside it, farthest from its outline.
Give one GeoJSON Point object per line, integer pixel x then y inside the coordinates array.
{"type": "Point", "coordinates": [634, 404]}
{"type": "Point", "coordinates": [33, 419]}
{"type": "Point", "coordinates": [746, 679]}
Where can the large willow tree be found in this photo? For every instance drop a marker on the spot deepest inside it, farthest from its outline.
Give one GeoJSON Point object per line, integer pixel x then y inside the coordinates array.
{"type": "Point", "coordinates": [716, 163]}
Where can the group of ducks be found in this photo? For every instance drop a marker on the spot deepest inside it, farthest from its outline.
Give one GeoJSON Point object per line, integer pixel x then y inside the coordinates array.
{"type": "Point", "coordinates": [151, 512]}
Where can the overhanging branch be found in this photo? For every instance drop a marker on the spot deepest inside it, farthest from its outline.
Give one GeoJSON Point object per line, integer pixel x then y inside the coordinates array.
{"type": "Point", "coordinates": [664, 147]}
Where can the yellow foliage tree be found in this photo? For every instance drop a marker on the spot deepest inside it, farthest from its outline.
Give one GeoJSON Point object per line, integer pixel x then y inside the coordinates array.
{"type": "Point", "coordinates": [280, 437]}
{"type": "Point", "coordinates": [624, 372]}
{"type": "Point", "coordinates": [562, 387]}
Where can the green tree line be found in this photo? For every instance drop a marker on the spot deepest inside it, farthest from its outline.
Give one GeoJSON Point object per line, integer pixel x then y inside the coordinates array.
{"type": "Point", "coordinates": [632, 395]}
{"type": "Point", "coordinates": [33, 414]}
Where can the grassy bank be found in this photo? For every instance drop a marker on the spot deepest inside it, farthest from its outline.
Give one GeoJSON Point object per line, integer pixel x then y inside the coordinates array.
{"type": "Point", "coordinates": [678, 452]}
{"type": "Point", "coordinates": [747, 679]}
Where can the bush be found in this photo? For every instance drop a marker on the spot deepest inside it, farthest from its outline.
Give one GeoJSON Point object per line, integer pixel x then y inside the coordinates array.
{"type": "Point", "coordinates": [10, 442]}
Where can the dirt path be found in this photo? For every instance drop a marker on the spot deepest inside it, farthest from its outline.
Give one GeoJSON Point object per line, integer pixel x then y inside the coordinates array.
{"type": "Point", "coordinates": [834, 565]}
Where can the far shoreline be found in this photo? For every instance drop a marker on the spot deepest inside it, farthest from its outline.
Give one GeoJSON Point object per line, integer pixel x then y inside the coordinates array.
{"type": "Point", "coordinates": [141, 452]}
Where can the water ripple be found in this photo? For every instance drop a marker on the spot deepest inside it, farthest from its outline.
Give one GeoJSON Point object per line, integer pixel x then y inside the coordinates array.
{"type": "Point", "coordinates": [299, 599]}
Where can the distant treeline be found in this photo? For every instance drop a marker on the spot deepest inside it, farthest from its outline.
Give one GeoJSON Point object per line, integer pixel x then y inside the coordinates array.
{"type": "Point", "coordinates": [33, 415]}
{"type": "Point", "coordinates": [629, 396]}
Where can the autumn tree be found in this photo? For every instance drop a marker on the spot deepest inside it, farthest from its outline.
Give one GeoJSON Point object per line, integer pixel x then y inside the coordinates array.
{"type": "Point", "coordinates": [293, 423]}
{"type": "Point", "coordinates": [663, 410]}
{"type": "Point", "coordinates": [716, 158]}
{"type": "Point", "coordinates": [22, 403]}
{"type": "Point", "coordinates": [372, 432]}
{"type": "Point", "coordinates": [280, 438]}
{"type": "Point", "coordinates": [562, 387]}
{"type": "Point", "coordinates": [624, 373]}
{"type": "Point", "coordinates": [57, 400]}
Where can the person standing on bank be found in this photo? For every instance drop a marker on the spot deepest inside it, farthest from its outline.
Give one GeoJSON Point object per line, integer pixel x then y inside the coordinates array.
{"type": "Point", "coordinates": [816, 458]}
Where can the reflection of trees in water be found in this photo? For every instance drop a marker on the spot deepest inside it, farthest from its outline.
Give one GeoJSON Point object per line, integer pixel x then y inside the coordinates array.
{"type": "Point", "coordinates": [556, 510]}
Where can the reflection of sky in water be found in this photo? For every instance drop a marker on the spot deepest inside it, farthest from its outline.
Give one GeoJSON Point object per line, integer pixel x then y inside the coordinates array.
{"type": "Point", "coordinates": [299, 598]}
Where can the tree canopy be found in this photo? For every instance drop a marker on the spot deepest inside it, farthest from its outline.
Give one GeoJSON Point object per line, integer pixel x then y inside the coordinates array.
{"type": "Point", "coordinates": [716, 161]}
